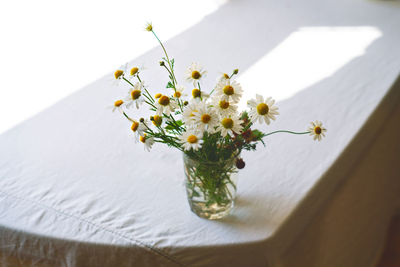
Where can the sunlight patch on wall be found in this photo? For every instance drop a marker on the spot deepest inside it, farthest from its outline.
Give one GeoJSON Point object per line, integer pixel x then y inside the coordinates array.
{"type": "Point", "coordinates": [304, 58]}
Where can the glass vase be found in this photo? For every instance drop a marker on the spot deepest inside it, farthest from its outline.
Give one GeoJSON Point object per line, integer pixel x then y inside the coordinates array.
{"type": "Point", "coordinates": [210, 186]}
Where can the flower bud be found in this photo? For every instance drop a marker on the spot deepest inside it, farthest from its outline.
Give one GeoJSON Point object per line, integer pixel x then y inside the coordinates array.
{"type": "Point", "coordinates": [240, 163]}
{"type": "Point", "coordinates": [141, 120]}
{"type": "Point", "coordinates": [162, 63]}
{"type": "Point", "coordinates": [235, 71]}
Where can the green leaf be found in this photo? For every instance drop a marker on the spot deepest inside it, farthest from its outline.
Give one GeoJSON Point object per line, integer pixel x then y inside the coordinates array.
{"type": "Point", "coordinates": [170, 85]}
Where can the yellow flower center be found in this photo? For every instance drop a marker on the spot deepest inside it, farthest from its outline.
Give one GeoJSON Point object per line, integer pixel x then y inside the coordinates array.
{"type": "Point", "coordinates": [149, 27]}
{"type": "Point", "coordinates": [226, 76]}
{"type": "Point", "coordinates": [177, 94]}
{"type": "Point", "coordinates": [134, 70]}
{"type": "Point", "coordinates": [135, 126]}
{"type": "Point", "coordinates": [157, 120]}
{"type": "Point", "coordinates": [317, 130]}
{"type": "Point", "coordinates": [227, 123]}
{"type": "Point", "coordinates": [262, 108]}
{"type": "Point", "coordinates": [205, 118]}
{"type": "Point", "coordinates": [118, 73]}
{"type": "Point", "coordinates": [192, 139]}
{"type": "Point", "coordinates": [228, 90]}
{"type": "Point", "coordinates": [157, 96]}
{"type": "Point", "coordinates": [143, 138]}
{"type": "Point", "coordinates": [135, 94]}
{"type": "Point", "coordinates": [223, 104]}
{"type": "Point", "coordinates": [163, 100]}
{"type": "Point", "coordinates": [196, 93]}
{"type": "Point", "coordinates": [196, 75]}
{"type": "Point", "coordinates": [118, 103]}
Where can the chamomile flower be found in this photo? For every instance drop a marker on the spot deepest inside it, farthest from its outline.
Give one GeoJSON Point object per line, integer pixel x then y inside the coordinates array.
{"type": "Point", "coordinates": [119, 74]}
{"type": "Point", "coordinates": [229, 124]}
{"type": "Point", "coordinates": [205, 118]}
{"type": "Point", "coordinates": [228, 90]}
{"type": "Point", "coordinates": [117, 105]}
{"type": "Point", "coordinates": [138, 129]}
{"type": "Point", "coordinates": [189, 112]}
{"type": "Point", "coordinates": [157, 120]}
{"type": "Point", "coordinates": [147, 141]}
{"type": "Point", "coordinates": [224, 107]}
{"type": "Point", "coordinates": [261, 110]}
{"type": "Point", "coordinates": [166, 105]}
{"type": "Point", "coordinates": [148, 27]}
{"type": "Point", "coordinates": [135, 96]}
{"type": "Point", "coordinates": [317, 130]}
{"type": "Point", "coordinates": [191, 139]}
{"type": "Point", "coordinates": [199, 96]}
{"type": "Point", "coordinates": [194, 73]}
{"type": "Point", "coordinates": [178, 93]}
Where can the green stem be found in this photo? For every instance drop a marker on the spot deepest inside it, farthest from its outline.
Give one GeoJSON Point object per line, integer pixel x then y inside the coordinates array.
{"type": "Point", "coordinates": [149, 95]}
{"type": "Point", "coordinates": [166, 54]}
{"type": "Point", "coordinates": [126, 116]}
{"type": "Point", "coordinates": [285, 131]}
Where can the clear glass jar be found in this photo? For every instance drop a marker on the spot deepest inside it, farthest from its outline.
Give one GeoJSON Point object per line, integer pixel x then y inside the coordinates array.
{"type": "Point", "coordinates": [210, 186]}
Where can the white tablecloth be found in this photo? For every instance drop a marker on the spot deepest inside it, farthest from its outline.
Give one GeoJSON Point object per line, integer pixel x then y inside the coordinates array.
{"type": "Point", "coordinates": [76, 191]}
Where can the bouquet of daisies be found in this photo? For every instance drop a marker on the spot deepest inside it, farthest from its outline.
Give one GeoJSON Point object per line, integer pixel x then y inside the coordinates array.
{"type": "Point", "coordinates": [202, 125]}
{"type": "Point", "coordinates": [206, 126]}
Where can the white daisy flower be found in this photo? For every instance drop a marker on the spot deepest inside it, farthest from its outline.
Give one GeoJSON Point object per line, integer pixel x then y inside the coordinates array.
{"type": "Point", "coordinates": [229, 124]}
{"type": "Point", "coordinates": [261, 110]}
{"type": "Point", "coordinates": [224, 76]}
{"type": "Point", "coordinates": [147, 141]}
{"type": "Point", "coordinates": [188, 112]}
{"type": "Point", "coordinates": [194, 73]}
{"type": "Point", "coordinates": [317, 130]}
{"type": "Point", "coordinates": [119, 74]}
{"type": "Point", "coordinates": [199, 96]}
{"type": "Point", "coordinates": [135, 96]}
{"type": "Point", "coordinates": [224, 107]}
{"type": "Point", "coordinates": [178, 93]}
{"type": "Point", "coordinates": [117, 105]}
{"type": "Point", "coordinates": [229, 90]}
{"type": "Point", "coordinates": [157, 120]}
{"type": "Point", "coordinates": [138, 129]}
{"type": "Point", "coordinates": [148, 27]}
{"type": "Point", "coordinates": [166, 105]}
{"type": "Point", "coordinates": [191, 139]}
{"type": "Point", "coordinates": [205, 118]}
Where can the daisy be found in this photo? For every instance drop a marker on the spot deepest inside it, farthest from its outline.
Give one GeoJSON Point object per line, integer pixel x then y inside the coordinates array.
{"type": "Point", "coordinates": [191, 139]}
{"type": "Point", "coordinates": [198, 95]}
{"type": "Point", "coordinates": [229, 124]}
{"type": "Point", "coordinates": [147, 141]}
{"type": "Point", "coordinates": [135, 96]}
{"type": "Point", "coordinates": [189, 112]}
{"type": "Point", "coordinates": [138, 128]}
{"type": "Point", "coordinates": [261, 110]}
{"type": "Point", "coordinates": [228, 90]}
{"type": "Point", "coordinates": [119, 74]}
{"type": "Point", "coordinates": [194, 73]}
{"type": "Point", "coordinates": [224, 107]}
{"type": "Point", "coordinates": [317, 130]}
{"type": "Point", "coordinates": [148, 27]}
{"type": "Point", "coordinates": [205, 118]}
{"type": "Point", "coordinates": [166, 105]}
{"type": "Point", "coordinates": [178, 93]}
{"type": "Point", "coordinates": [117, 105]}
{"type": "Point", "coordinates": [157, 120]}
